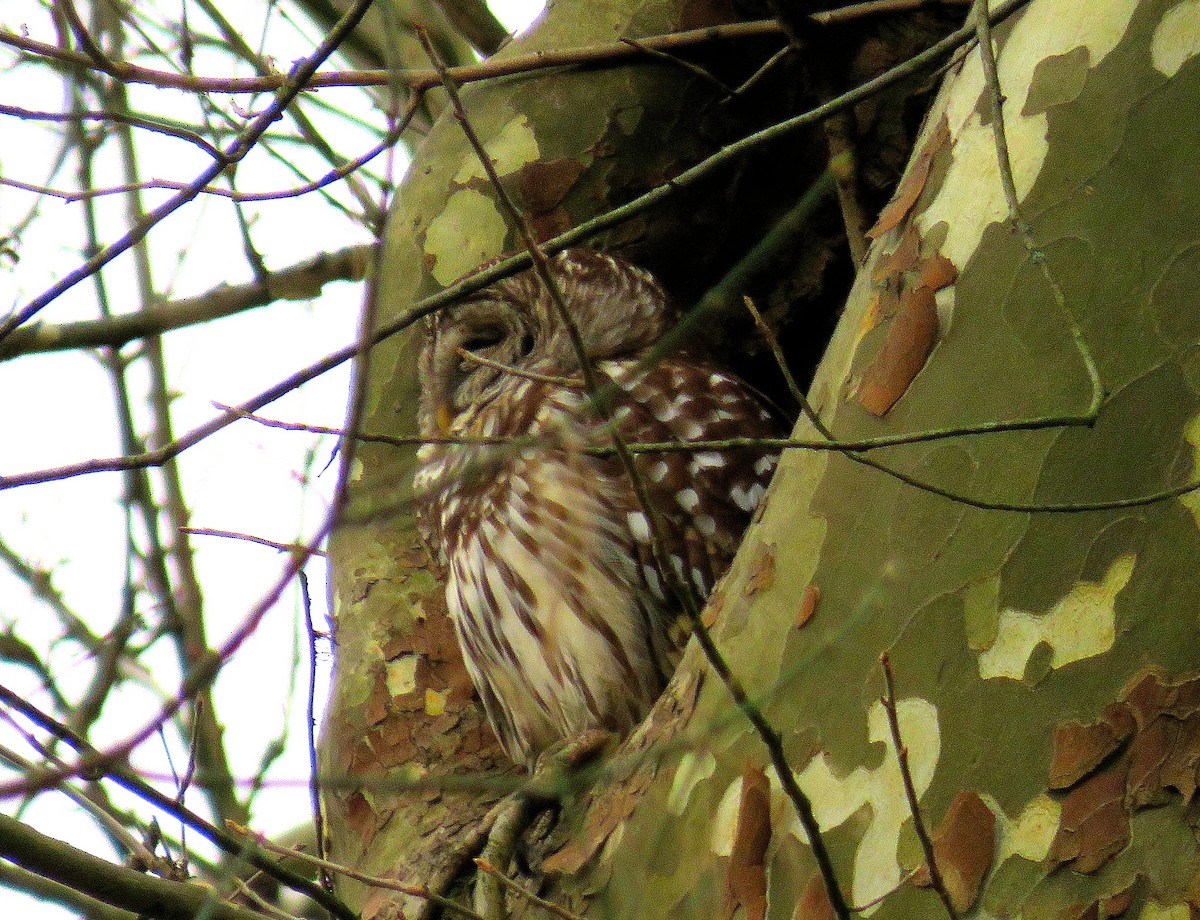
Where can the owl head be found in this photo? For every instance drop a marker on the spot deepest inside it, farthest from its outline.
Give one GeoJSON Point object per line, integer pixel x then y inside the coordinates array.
{"type": "Point", "coordinates": [618, 309]}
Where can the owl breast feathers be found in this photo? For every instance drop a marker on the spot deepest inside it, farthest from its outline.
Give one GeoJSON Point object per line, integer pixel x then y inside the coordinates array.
{"type": "Point", "coordinates": [566, 622]}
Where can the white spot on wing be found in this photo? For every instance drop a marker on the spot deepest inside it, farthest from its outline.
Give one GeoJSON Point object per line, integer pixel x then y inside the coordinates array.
{"type": "Point", "coordinates": [638, 526]}
{"type": "Point", "coordinates": [688, 499]}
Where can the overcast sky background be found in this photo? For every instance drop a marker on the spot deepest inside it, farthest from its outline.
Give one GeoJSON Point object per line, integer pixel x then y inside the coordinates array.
{"type": "Point", "coordinates": [59, 408]}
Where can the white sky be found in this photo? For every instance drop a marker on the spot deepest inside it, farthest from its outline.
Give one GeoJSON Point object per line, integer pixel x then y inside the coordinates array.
{"type": "Point", "coordinates": [59, 408]}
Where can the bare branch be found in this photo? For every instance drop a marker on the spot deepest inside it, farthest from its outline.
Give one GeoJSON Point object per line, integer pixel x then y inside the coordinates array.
{"type": "Point", "coordinates": [112, 884]}
{"type": "Point", "coordinates": [296, 81]}
{"type": "Point", "coordinates": [910, 792]}
{"type": "Point", "coordinates": [98, 763]}
{"type": "Point", "coordinates": [297, 282]}
{"type": "Point", "coordinates": [427, 79]}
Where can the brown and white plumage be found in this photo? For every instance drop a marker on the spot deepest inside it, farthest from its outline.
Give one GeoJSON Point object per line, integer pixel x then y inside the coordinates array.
{"type": "Point", "coordinates": [564, 619]}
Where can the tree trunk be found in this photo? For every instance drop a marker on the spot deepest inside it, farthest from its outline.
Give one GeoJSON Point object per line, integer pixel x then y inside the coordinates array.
{"type": "Point", "coordinates": [1039, 614]}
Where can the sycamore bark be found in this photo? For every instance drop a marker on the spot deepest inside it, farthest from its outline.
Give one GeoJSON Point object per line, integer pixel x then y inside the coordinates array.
{"type": "Point", "coordinates": [1046, 661]}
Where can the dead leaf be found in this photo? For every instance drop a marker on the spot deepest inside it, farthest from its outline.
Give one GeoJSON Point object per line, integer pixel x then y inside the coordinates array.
{"type": "Point", "coordinates": [913, 183]}
{"type": "Point", "coordinates": [814, 903]}
{"type": "Point", "coordinates": [964, 845]}
{"type": "Point", "coordinates": [808, 605]}
{"type": "Point", "coordinates": [746, 875]}
{"type": "Point", "coordinates": [1094, 825]}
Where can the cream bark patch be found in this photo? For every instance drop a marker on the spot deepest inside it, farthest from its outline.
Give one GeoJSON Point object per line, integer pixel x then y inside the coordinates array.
{"type": "Point", "coordinates": [1081, 625]}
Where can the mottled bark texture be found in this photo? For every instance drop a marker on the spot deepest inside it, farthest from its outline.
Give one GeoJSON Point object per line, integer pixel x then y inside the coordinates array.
{"type": "Point", "coordinates": [1045, 662]}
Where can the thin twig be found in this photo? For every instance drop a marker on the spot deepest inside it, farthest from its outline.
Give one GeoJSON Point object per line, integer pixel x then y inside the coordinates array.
{"type": "Point", "coordinates": [263, 905]}
{"type": "Point", "coordinates": [115, 884]}
{"type": "Point", "coordinates": [314, 765]}
{"type": "Point", "coordinates": [524, 893]}
{"type": "Point", "coordinates": [676, 61]}
{"type": "Point", "coordinates": [95, 764]}
{"type": "Point", "coordinates": [428, 78]}
{"type": "Point", "coordinates": [174, 573]}
{"type": "Point", "coordinates": [250, 538]}
{"type": "Point", "coordinates": [675, 447]}
{"type": "Point", "coordinates": [343, 171]}
{"type": "Point", "coordinates": [137, 121]}
{"type": "Point", "coordinates": [987, 58]}
{"type": "Point", "coordinates": [516, 371]}
{"type": "Point", "coordinates": [99, 60]}
{"type": "Point", "coordinates": [296, 282]}
{"type": "Point", "coordinates": [235, 152]}
{"type": "Point", "coordinates": [910, 791]}
{"type": "Point", "coordinates": [904, 880]}
{"type": "Point", "coordinates": [762, 71]}
{"type": "Point", "coordinates": [374, 881]}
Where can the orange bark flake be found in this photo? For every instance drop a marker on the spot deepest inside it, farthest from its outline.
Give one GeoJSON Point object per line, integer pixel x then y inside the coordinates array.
{"type": "Point", "coordinates": [746, 875]}
{"type": "Point", "coordinates": [1079, 749]}
{"type": "Point", "coordinates": [912, 184]}
{"type": "Point", "coordinates": [1079, 912]}
{"type": "Point", "coordinates": [762, 572]}
{"type": "Point", "coordinates": [808, 605]}
{"type": "Point", "coordinates": [1094, 824]}
{"type": "Point", "coordinates": [964, 845]}
{"type": "Point", "coordinates": [814, 904]}
{"type": "Point", "coordinates": [906, 287]}
{"type": "Point", "coordinates": [1117, 904]}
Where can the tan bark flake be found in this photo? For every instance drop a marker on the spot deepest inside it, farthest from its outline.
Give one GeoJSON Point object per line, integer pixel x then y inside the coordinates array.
{"type": "Point", "coordinates": [913, 183]}
{"type": "Point", "coordinates": [964, 845]}
{"type": "Point", "coordinates": [746, 875]}
{"type": "Point", "coordinates": [1079, 749]}
{"type": "Point", "coordinates": [762, 572]}
{"type": "Point", "coordinates": [1115, 905]}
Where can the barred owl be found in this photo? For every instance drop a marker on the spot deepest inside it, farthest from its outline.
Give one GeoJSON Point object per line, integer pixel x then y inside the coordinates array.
{"type": "Point", "coordinates": [565, 621]}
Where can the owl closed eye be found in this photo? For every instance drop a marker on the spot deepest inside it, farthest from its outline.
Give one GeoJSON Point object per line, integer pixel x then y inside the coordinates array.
{"type": "Point", "coordinates": [564, 618]}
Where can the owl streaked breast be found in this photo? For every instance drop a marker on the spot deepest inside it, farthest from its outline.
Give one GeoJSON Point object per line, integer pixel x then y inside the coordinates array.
{"type": "Point", "coordinates": [564, 619]}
